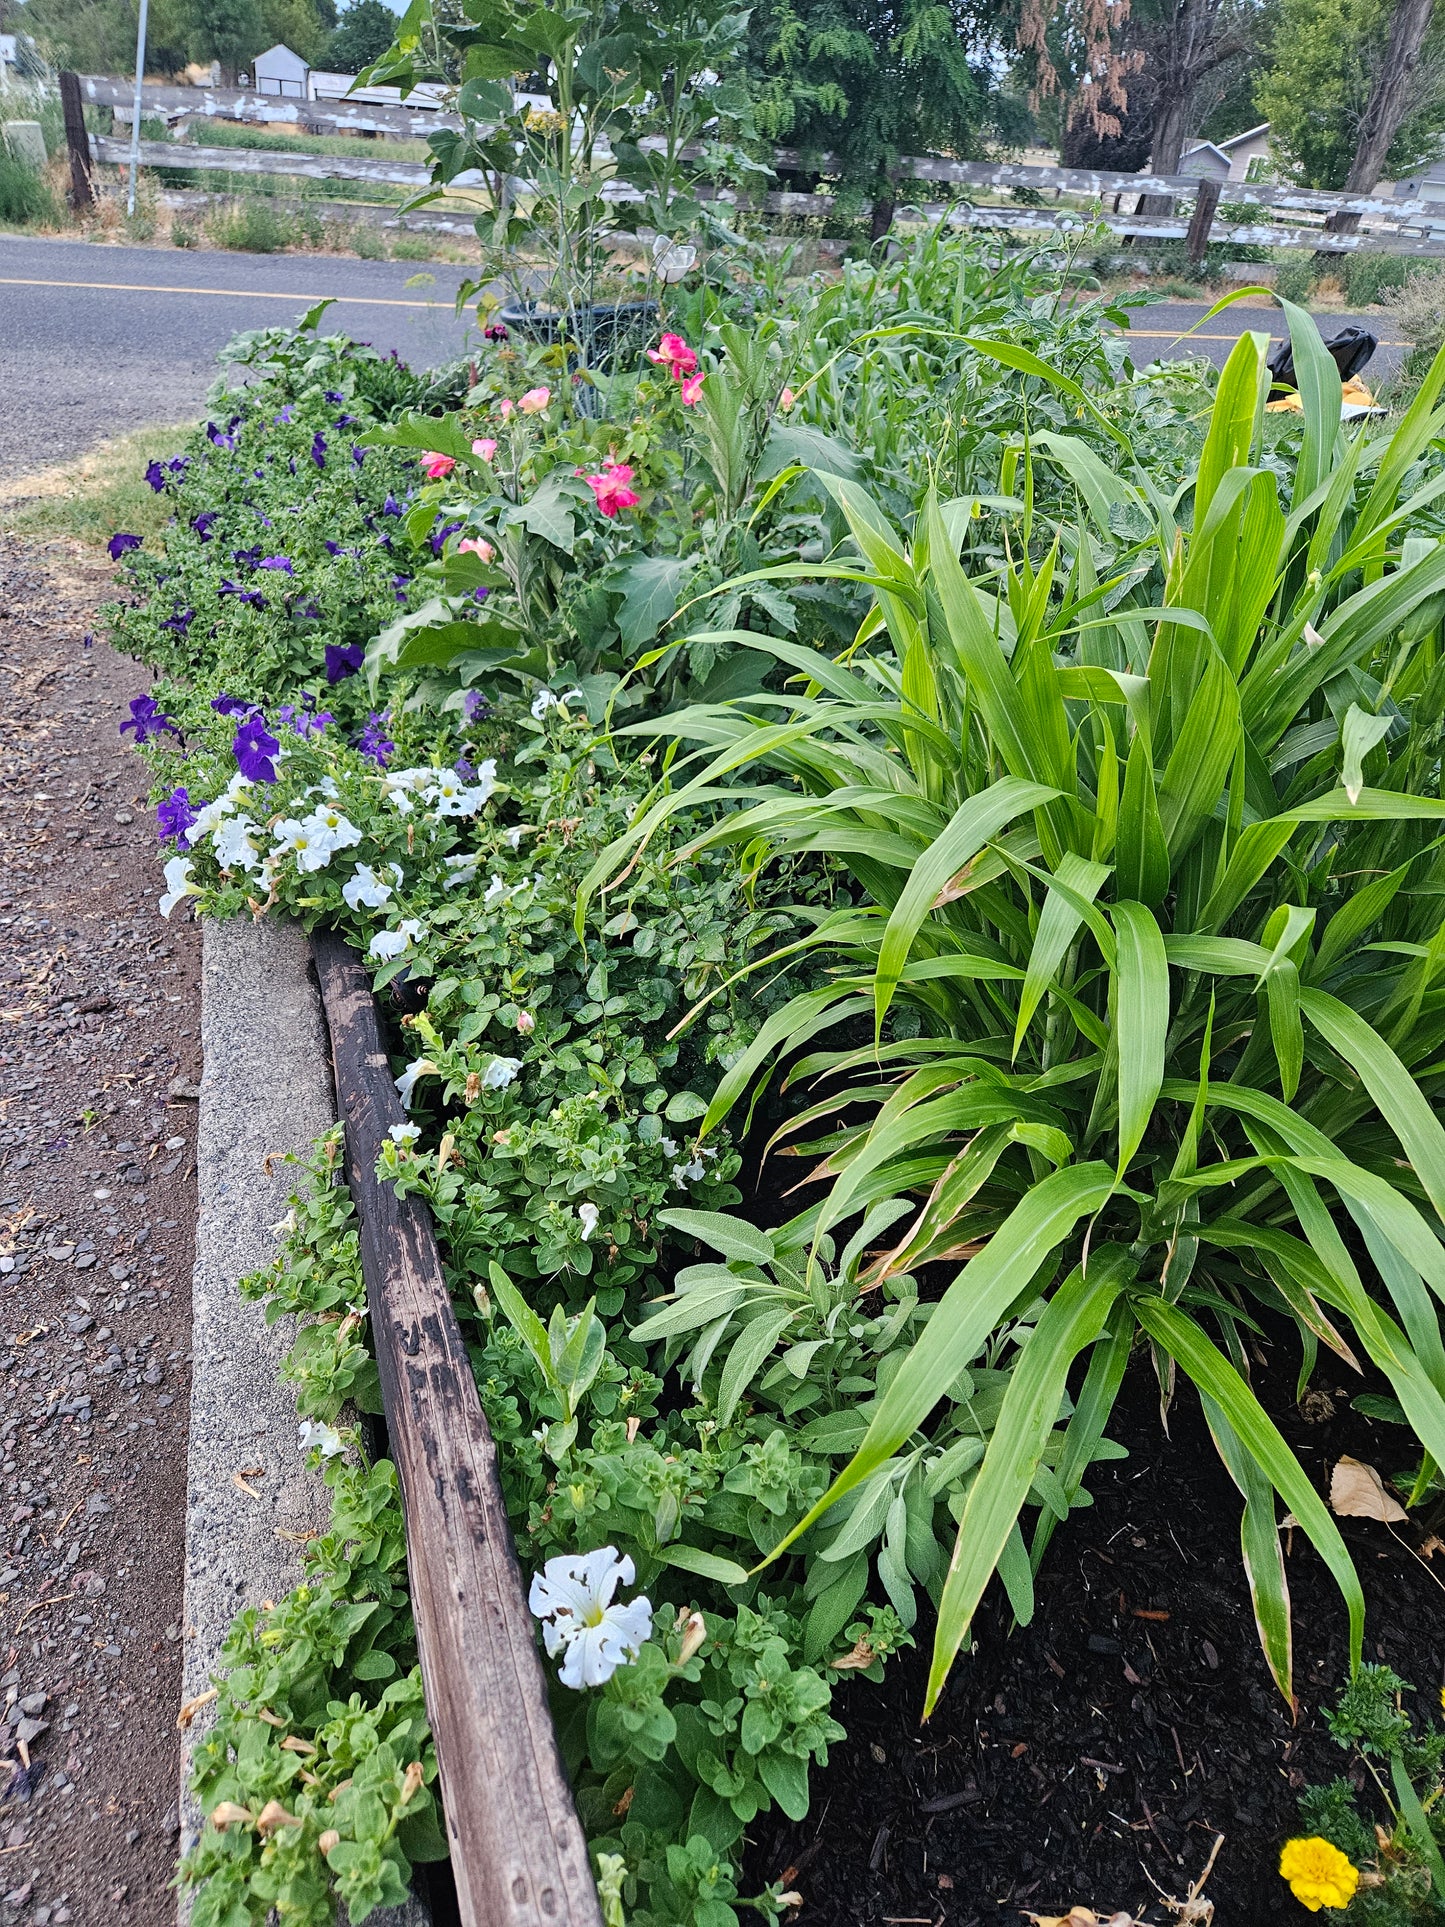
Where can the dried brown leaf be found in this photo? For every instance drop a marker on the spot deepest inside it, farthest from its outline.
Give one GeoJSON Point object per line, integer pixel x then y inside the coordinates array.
{"type": "Point", "coordinates": [1358, 1492]}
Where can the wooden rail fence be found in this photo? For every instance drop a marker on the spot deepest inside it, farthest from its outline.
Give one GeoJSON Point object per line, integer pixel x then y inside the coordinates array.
{"type": "Point", "coordinates": [1293, 217]}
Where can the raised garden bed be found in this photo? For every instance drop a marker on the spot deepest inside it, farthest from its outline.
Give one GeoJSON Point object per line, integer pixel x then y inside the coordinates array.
{"type": "Point", "coordinates": [996, 850]}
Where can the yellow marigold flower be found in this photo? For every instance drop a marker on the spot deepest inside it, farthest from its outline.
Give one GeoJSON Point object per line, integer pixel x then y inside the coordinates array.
{"type": "Point", "coordinates": [1319, 1874]}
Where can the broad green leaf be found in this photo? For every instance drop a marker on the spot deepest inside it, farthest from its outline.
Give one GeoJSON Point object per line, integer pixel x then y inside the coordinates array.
{"type": "Point", "coordinates": [733, 1237]}
{"type": "Point", "coordinates": [1072, 1319]}
{"type": "Point", "coordinates": [707, 1565]}
{"type": "Point", "coordinates": [1058, 921]}
{"type": "Point", "coordinates": [973, 824]}
{"type": "Point", "coordinates": [1141, 853]}
{"type": "Point", "coordinates": [964, 1317]}
{"type": "Point", "coordinates": [1358, 737]}
{"type": "Point", "coordinates": [1141, 1021]}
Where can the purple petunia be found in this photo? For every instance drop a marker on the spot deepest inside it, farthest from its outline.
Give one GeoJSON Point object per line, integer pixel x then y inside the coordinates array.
{"type": "Point", "coordinates": [156, 476]}
{"type": "Point", "coordinates": [373, 741]}
{"type": "Point", "coordinates": [480, 595]}
{"type": "Point", "coordinates": [231, 706]}
{"type": "Point", "coordinates": [218, 437]}
{"type": "Point", "coordinates": [253, 598]}
{"type": "Point", "coordinates": [254, 747]}
{"type": "Point", "coordinates": [308, 612]}
{"type": "Point", "coordinates": [121, 544]}
{"type": "Point", "coordinates": [286, 414]}
{"type": "Point", "coordinates": [202, 523]}
{"type": "Point", "coordinates": [178, 464]}
{"type": "Point", "coordinates": [439, 535]}
{"type": "Point", "coordinates": [333, 394]}
{"type": "Point", "coordinates": [358, 454]}
{"type": "Point", "coordinates": [280, 563]}
{"type": "Point", "coordinates": [304, 718]}
{"type": "Point", "coordinates": [401, 583]}
{"type": "Point", "coordinates": [343, 659]}
{"type": "Point", "coordinates": [246, 558]}
{"type": "Point", "coordinates": [180, 621]}
{"type": "Point", "coordinates": [147, 720]}
{"type": "Point", "coordinates": [318, 449]}
{"type": "Point", "coordinates": [391, 506]}
{"type": "Point", "coordinates": [174, 816]}
{"type": "Point", "coordinates": [475, 706]}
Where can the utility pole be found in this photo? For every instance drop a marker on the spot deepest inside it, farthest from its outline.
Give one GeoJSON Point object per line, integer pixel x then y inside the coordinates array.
{"type": "Point", "coordinates": [140, 68]}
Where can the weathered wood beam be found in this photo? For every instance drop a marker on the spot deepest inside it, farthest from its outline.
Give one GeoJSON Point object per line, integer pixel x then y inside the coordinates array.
{"type": "Point", "coordinates": [518, 1851]}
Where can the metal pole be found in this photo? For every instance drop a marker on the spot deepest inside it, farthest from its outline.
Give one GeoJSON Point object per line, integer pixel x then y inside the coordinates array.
{"type": "Point", "coordinates": [140, 67]}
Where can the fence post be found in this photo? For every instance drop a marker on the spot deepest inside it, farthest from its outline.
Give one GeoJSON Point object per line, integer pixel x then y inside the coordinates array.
{"type": "Point", "coordinates": [82, 194]}
{"type": "Point", "coordinates": [1203, 220]}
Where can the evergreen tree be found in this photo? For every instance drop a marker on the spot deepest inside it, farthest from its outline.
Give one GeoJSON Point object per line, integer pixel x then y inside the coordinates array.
{"type": "Point", "coordinates": [871, 80]}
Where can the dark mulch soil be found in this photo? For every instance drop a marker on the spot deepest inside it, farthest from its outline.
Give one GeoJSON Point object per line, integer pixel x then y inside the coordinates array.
{"type": "Point", "coordinates": [98, 1028]}
{"type": "Point", "coordinates": [1078, 1758]}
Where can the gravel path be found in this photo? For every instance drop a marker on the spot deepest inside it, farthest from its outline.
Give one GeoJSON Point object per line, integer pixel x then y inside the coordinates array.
{"type": "Point", "coordinates": [99, 1055]}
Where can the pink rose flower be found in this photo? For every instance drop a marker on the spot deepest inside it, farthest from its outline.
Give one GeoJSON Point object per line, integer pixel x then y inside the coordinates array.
{"type": "Point", "coordinates": [505, 406]}
{"type": "Point", "coordinates": [436, 467]}
{"type": "Point", "coordinates": [673, 352]}
{"type": "Point", "coordinates": [786, 400]}
{"type": "Point", "coordinates": [535, 401]}
{"type": "Point", "coordinates": [613, 488]}
{"type": "Point", "coordinates": [486, 448]}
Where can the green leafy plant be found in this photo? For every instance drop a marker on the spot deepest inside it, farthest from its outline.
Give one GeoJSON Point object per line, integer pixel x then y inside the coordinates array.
{"type": "Point", "coordinates": [1141, 1029]}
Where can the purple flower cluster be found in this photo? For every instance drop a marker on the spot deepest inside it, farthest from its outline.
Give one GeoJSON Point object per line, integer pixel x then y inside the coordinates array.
{"type": "Point", "coordinates": [174, 817]}
{"type": "Point", "coordinates": [121, 544]}
{"type": "Point", "coordinates": [147, 720]}
{"type": "Point", "coordinates": [202, 523]}
{"type": "Point", "coordinates": [373, 740]}
{"type": "Point", "coordinates": [304, 718]}
{"type": "Point", "coordinates": [343, 659]}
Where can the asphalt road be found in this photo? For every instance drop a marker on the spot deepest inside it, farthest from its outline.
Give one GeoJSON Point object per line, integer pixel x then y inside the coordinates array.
{"type": "Point", "coordinates": [1159, 332]}
{"type": "Point", "coordinates": [98, 340]}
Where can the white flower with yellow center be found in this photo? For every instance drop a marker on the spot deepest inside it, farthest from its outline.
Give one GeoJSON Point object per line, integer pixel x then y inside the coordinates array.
{"type": "Point", "coordinates": [572, 1596]}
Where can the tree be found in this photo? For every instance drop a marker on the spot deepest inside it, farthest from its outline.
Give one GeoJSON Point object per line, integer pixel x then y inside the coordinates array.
{"type": "Point", "coordinates": [363, 34]}
{"type": "Point", "coordinates": [870, 81]}
{"type": "Point", "coordinates": [1327, 62]}
{"type": "Point", "coordinates": [1390, 98]}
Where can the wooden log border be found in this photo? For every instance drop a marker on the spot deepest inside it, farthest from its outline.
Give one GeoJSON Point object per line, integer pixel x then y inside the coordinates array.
{"type": "Point", "coordinates": [519, 1855]}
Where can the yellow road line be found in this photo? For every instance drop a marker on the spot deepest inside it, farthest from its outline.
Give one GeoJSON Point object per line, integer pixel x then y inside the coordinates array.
{"type": "Point", "coordinates": [235, 294]}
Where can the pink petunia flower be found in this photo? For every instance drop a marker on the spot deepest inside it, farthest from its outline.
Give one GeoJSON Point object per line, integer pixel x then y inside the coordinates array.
{"type": "Point", "coordinates": [436, 467]}
{"type": "Point", "coordinates": [486, 447]}
{"type": "Point", "coordinates": [692, 390]}
{"type": "Point", "coordinates": [505, 406]}
{"type": "Point", "coordinates": [786, 400]}
{"type": "Point", "coordinates": [535, 401]}
{"type": "Point", "coordinates": [475, 545]}
{"type": "Point", "coordinates": [613, 488]}
{"type": "Point", "coordinates": [673, 352]}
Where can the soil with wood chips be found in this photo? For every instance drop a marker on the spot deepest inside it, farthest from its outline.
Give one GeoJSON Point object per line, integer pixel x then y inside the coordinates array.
{"type": "Point", "coordinates": [99, 1061]}
{"type": "Point", "coordinates": [1093, 1757]}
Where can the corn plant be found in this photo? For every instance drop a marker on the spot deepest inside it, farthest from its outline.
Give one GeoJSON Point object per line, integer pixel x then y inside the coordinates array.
{"type": "Point", "coordinates": [1139, 999]}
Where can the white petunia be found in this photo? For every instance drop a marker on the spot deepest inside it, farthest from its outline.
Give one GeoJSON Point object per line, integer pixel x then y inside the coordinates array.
{"type": "Point", "coordinates": [301, 841]}
{"type": "Point", "coordinates": [326, 823]}
{"type": "Point", "coordinates": [235, 844]}
{"type": "Point", "coordinates": [542, 702]}
{"type": "Point", "coordinates": [178, 884]}
{"type": "Point", "coordinates": [236, 792]}
{"type": "Point", "coordinates": [405, 1133]}
{"type": "Point", "coordinates": [572, 1596]}
{"type": "Point", "coordinates": [588, 1214]}
{"type": "Point", "coordinates": [367, 888]}
{"type": "Point", "coordinates": [495, 891]}
{"type": "Point", "coordinates": [464, 869]}
{"type": "Point", "coordinates": [500, 1073]}
{"type": "Point", "coordinates": [450, 796]}
{"type": "Point", "coordinates": [406, 1083]}
{"type": "Point", "coordinates": [513, 838]}
{"type": "Point", "coordinates": [326, 787]}
{"type": "Point", "coordinates": [388, 944]}
{"type": "Point", "coordinates": [313, 1436]}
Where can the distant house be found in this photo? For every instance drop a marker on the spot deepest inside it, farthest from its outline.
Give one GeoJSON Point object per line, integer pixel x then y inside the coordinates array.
{"type": "Point", "coordinates": [1236, 159]}
{"type": "Point", "coordinates": [279, 71]}
{"type": "Point", "coordinates": [1426, 185]}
